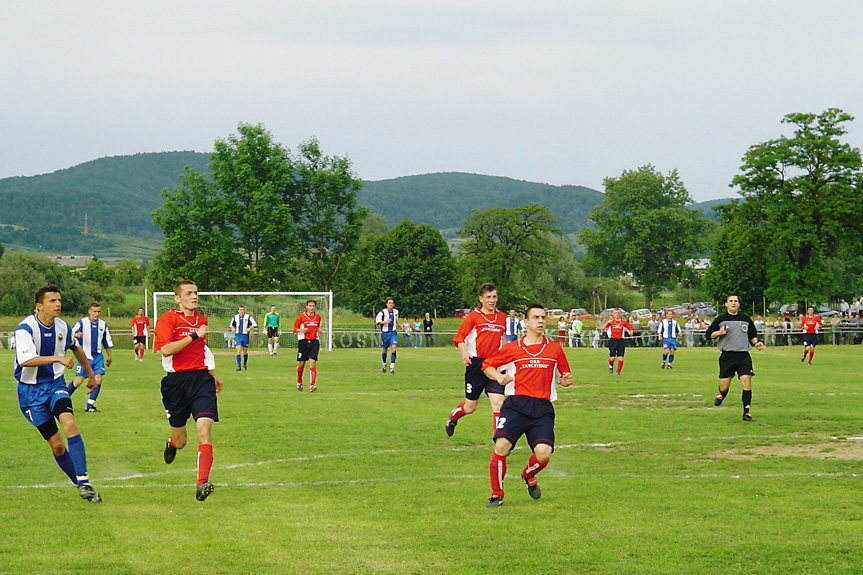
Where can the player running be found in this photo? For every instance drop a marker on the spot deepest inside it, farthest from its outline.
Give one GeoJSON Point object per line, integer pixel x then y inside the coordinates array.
{"type": "Point", "coordinates": [94, 336]}
{"type": "Point", "coordinates": [616, 327]}
{"type": "Point", "coordinates": [140, 331]}
{"type": "Point", "coordinates": [480, 334]}
{"type": "Point", "coordinates": [306, 327]}
{"type": "Point", "coordinates": [533, 365]}
{"type": "Point", "coordinates": [811, 325]}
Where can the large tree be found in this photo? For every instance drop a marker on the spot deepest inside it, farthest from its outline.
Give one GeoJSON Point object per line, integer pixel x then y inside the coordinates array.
{"type": "Point", "coordinates": [644, 228]}
{"type": "Point", "coordinates": [502, 245]}
{"type": "Point", "coordinates": [803, 195]}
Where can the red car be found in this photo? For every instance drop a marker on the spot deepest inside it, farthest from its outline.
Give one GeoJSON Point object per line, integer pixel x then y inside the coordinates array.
{"type": "Point", "coordinates": [462, 312]}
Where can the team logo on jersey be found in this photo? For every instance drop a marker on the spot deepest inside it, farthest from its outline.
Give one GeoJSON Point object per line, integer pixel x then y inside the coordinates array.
{"type": "Point", "coordinates": [744, 328]}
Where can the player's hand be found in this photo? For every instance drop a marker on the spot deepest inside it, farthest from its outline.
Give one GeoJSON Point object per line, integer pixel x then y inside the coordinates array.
{"type": "Point", "coordinates": [78, 335]}
{"type": "Point", "coordinates": [203, 331]}
{"type": "Point", "coordinates": [67, 362]}
{"type": "Point", "coordinates": [505, 379]}
{"type": "Point", "coordinates": [108, 361]}
{"type": "Point", "coordinates": [466, 358]}
{"type": "Point", "coordinates": [566, 379]}
{"type": "Point", "coordinates": [91, 383]}
{"type": "Point", "coordinates": [722, 330]}
{"type": "Point", "coordinates": [759, 346]}
{"type": "Point", "coordinates": [218, 383]}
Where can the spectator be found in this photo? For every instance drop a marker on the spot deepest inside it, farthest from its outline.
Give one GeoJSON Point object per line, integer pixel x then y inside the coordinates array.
{"type": "Point", "coordinates": [428, 324]}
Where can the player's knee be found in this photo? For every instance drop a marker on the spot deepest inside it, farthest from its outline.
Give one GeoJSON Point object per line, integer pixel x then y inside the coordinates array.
{"type": "Point", "coordinates": [543, 452]}
{"type": "Point", "coordinates": [469, 407]}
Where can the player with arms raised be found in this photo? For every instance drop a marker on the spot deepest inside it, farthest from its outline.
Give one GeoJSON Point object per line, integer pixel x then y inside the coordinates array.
{"type": "Point", "coordinates": [811, 325]}
{"type": "Point", "coordinates": [533, 364]}
{"type": "Point", "coordinates": [140, 331]}
{"type": "Point", "coordinates": [191, 384]}
{"type": "Point", "coordinates": [480, 334]}
{"type": "Point", "coordinates": [306, 327]}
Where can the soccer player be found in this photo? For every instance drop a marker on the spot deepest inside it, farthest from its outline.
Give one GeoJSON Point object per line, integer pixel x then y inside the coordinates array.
{"type": "Point", "coordinates": [616, 328]}
{"type": "Point", "coordinates": [388, 319]}
{"type": "Point", "coordinates": [513, 327]}
{"type": "Point", "coordinates": [271, 321]}
{"type": "Point", "coordinates": [190, 384]}
{"type": "Point", "coordinates": [40, 358]}
{"type": "Point", "coordinates": [140, 331]}
{"type": "Point", "coordinates": [669, 331]}
{"type": "Point", "coordinates": [737, 335]}
{"type": "Point", "coordinates": [533, 364]}
{"type": "Point", "coordinates": [94, 337]}
{"type": "Point", "coordinates": [480, 334]}
{"type": "Point", "coordinates": [241, 325]}
{"type": "Point", "coordinates": [306, 327]}
{"type": "Point", "coordinates": [811, 325]}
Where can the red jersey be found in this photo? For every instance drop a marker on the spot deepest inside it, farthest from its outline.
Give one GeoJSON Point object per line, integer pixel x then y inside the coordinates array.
{"type": "Point", "coordinates": [535, 368]}
{"type": "Point", "coordinates": [617, 328]}
{"type": "Point", "coordinates": [483, 334]}
{"type": "Point", "coordinates": [312, 323]}
{"type": "Point", "coordinates": [173, 326]}
{"type": "Point", "coordinates": [140, 325]}
{"type": "Point", "coordinates": [811, 324]}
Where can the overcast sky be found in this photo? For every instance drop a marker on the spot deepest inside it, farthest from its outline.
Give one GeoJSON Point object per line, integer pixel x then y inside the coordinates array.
{"type": "Point", "coordinates": [564, 92]}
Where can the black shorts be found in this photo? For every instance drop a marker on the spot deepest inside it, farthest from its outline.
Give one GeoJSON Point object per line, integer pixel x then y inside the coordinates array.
{"type": "Point", "coordinates": [142, 339]}
{"type": "Point", "coordinates": [616, 347]}
{"type": "Point", "coordinates": [476, 381]}
{"type": "Point", "coordinates": [735, 362]}
{"type": "Point", "coordinates": [524, 415]}
{"type": "Point", "coordinates": [186, 393]}
{"type": "Point", "coordinates": [308, 349]}
{"type": "Point", "coordinates": [272, 332]}
{"type": "Point", "coordinates": [810, 339]}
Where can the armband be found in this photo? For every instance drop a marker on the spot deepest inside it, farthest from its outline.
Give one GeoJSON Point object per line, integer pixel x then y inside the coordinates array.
{"type": "Point", "coordinates": [194, 335]}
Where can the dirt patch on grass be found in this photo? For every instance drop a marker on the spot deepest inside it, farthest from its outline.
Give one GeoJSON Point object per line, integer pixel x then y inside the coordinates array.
{"type": "Point", "coordinates": [846, 450]}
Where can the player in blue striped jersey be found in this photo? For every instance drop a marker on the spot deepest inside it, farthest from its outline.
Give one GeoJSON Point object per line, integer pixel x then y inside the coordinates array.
{"type": "Point", "coordinates": [42, 340]}
{"type": "Point", "coordinates": [93, 335]}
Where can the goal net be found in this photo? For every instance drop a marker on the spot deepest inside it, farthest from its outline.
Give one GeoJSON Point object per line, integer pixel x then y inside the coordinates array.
{"type": "Point", "coordinates": [220, 307]}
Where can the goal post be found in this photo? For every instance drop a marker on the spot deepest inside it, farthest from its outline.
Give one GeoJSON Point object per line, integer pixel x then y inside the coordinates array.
{"type": "Point", "coordinates": [220, 307]}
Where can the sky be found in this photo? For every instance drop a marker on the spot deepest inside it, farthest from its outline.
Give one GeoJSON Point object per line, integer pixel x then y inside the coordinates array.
{"type": "Point", "coordinates": [553, 91]}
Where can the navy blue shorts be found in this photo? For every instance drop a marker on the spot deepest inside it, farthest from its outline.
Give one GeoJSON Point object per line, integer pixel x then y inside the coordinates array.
{"type": "Point", "coordinates": [810, 339]}
{"type": "Point", "coordinates": [97, 364]}
{"type": "Point", "coordinates": [241, 340]}
{"type": "Point", "coordinates": [308, 349]}
{"type": "Point", "coordinates": [142, 339]}
{"type": "Point", "coordinates": [186, 393]}
{"type": "Point", "coordinates": [529, 416]}
{"type": "Point", "coordinates": [476, 381]}
{"type": "Point", "coordinates": [389, 339]}
{"type": "Point", "coordinates": [616, 347]}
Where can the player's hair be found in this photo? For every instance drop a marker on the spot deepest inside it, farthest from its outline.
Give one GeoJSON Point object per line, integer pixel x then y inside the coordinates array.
{"type": "Point", "coordinates": [530, 307]}
{"type": "Point", "coordinates": [94, 304]}
{"type": "Point", "coordinates": [140, 309]}
{"type": "Point", "coordinates": [487, 287]}
{"type": "Point", "coordinates": [178, 287]}
{"type": "Point", "coordinates": [308, 301]}
{"type": "Point", "coordinates": [732, 295]}
{"type": "Point", "coordinates": [388, 300]}
{"type": "Point", "coordinates": [40, 293]}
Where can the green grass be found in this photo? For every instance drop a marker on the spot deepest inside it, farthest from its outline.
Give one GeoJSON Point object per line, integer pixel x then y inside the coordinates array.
{"type": "Point", "coordinates": [647, 477]}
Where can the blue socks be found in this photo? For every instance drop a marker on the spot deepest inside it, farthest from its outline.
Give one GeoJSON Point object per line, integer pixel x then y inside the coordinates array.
{"type": "Point", "coordinates": [79, 459]}
{"type": "Point", "coordinates": [94, 394]}
{"type": "Point", "coordinates": [65, 463]}
{"type": "Point", "coordinates": [393, 357]}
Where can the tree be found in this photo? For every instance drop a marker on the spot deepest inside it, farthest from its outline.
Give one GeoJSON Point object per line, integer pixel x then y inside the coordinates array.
{"type": "Point", "coordinates": [413, 264]}
{"type": "Point", "coordinates": [805, 193]}
{"type": "Point", "coordinates": [22, 274]}
{"type": "Point", "coordinates": [329, 226]}
{"type": "Point", "coordinates": [644, 228]}
{"type": "Point", "coordinates": [502, 244]}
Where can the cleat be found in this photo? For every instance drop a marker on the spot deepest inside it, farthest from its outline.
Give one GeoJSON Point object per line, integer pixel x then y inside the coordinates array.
{"type": "Point", "coordinates": [91, 409]}
{"type": "Point", "coordinates": [392, 369]}
{"type": "Point", "coordinates": [238, 368]}
{"type": "Point", "coordinates": [246, 367]}
{"type": "Point", "coordinates": [450, 427]}
{"type": "Point", "coordinates": [669, 366]}
{"type": "Point", "coordinates": [662, 366]}
{"type": "Point", "coordinates": [802, 359]}
{"type": "Point", "coordinates": [494, 501]}
{"type": "Point", "coordinates": [170, 453]}
{"type": "Point", "coordinates": [313, 388]}
{"type": "Point", "coordinates": [717, 401]}
{"type": "Point", "coordinates": [384, 368]}
{"type": "Point", "coordinates": [87, 492]}
{"type": "Point", "coordinates": [204, 490]}
{"type": "Point", "coordinates": [747, 417]}
{"type": "Point", "coordinates": [299, 387]}
{"type": "Point", "coordinates": [610, 370]}
{"type": "Point", "coordinates": [533, 490]}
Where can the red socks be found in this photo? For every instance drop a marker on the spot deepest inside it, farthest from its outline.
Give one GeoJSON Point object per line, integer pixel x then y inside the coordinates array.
{"type": "Point", "coordinates": [533, 467]}
{"type": "Point", "coordinates": [313, 375]}
{"type": "Point", "coordinates": [457, 413]}
{"type": "Point", "coordinates": [496, 473]}
{"type": "Point", "coordinates": [494, 419]}
{"type": "Point", "coordinates": [299, 374]}
{"type": "Point", "coordinates": [205, 462]}
{"type": "Point", "coordinates": [619, 365]}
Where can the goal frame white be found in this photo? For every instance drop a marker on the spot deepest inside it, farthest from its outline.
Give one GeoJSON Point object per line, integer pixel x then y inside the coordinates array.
{"type": "Point", "coordinates": [309, 294]}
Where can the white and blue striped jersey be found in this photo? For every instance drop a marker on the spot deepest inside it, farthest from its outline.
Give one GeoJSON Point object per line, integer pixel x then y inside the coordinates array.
{"type": "Point", "coordinates": [243, 324]}
{"type": "Point", "coordinates": [94, 336]}
{"type": "Point", "coordinates": [668, 328]}
{"type": "Point", "coordinates": [384, 315]}
{"type": "Point", "coordinates": [32, 339]}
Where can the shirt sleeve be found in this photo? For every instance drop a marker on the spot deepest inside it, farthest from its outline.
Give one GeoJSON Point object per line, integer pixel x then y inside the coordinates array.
{"type": "Point", "coordinates": [25, 346]}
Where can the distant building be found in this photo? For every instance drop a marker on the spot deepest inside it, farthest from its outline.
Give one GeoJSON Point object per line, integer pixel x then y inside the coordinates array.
{"type": "Point", "coordinates": [75, 262]}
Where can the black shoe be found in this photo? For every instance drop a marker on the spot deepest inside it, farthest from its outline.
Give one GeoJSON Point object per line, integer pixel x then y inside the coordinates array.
{"type": "Point", "coordinates": [384, 368]}
{"type": "Point", "coordinates": [533, 490]}
{"type": "Point", "coordinates": [610, 370]}
{"type": "Point", "coordinates": [802, 359]}
{"type": "Point", "coordinates": [91, 409]}
{"type": "Point", "coordinates": [717, 401]}
{"type": "Point", "coordinates": [494, 501]}
{"type": "Point", "coordinates": [299, 387]}
{"type": "Point", "coordinates": [392, 369]}
{"type": "Point", "coordinates": [246, 367]}
{"type": "Point", "coordinates": [669, 366]}
{"type": "Point", "coordinates": [747, 417]}
{"type": "Point", "coordinates": [450, 427]}
{"type": "Point", "coordinates": [239, 369]}
{"type": "Point", "coordinates": [170, 452]}
{"type": "Point", "coordinates": [662, 366]}
{"type": "Point", "coordinates": [204, 490]}
{"type": "Point", "coordinates": [87, 492]}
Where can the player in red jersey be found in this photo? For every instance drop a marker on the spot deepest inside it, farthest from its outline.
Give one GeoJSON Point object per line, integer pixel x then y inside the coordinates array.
{"type": "Point", "coordinates": [191, 384]}
{"type": "Point", "coordinates": [616, 328]}
{"type": "Point", "coordinates": [480, 334]}
{"type": "Point", "coordinates": [140, 331]}
{"type": "Point", "coordinates": [811, 325]}
{"type": "Point", "coordinates": [532, 363]}
{"type": "Point", "coordinates": [306, 327]}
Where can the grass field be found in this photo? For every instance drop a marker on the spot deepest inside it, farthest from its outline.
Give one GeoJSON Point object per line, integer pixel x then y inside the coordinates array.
{"type": "Point", "coordinates": [647, 477]}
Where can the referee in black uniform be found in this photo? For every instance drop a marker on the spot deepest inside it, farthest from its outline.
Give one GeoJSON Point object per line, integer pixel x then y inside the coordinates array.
{"type": "Point", "coordinates": [737, 334]}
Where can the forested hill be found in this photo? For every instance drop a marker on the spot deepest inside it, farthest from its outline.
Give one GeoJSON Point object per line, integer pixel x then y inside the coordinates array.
{"type": "Point", "coordinates": [443, 200]}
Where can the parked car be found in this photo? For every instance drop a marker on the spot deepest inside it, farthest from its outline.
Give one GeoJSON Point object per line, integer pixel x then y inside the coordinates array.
{"type": "Point", "coordinates": [825, 311]}
{"type": "Point", "coordinates": [703, 312]}
{"type": "Point", "coordinates": [555, 313]}
{"type": "Point", "coordinates": [462, 312]}
{"type": "Point", "coordinates": [788, 309]}
{"type": "Point", "coordinates": [644, 313]}
{"type": "Point", "coordinates": [606, 313]}
{"type": "Point", "coordinates": [700, 304]}
{"type": "Point", "coordinates": [580, 313]}
{"type": "Point", "coordinates": [679, 310]}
